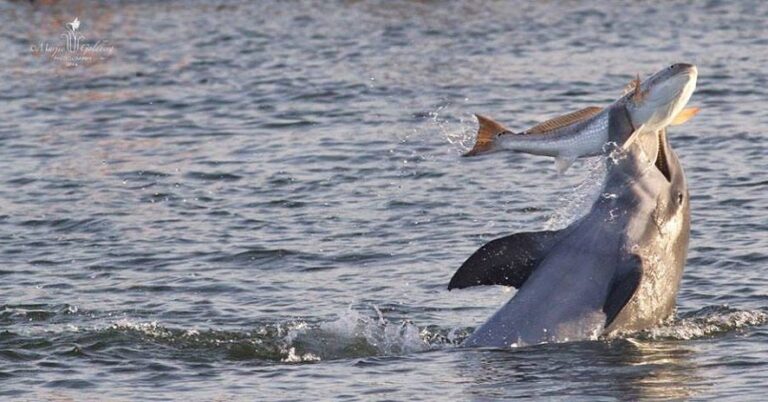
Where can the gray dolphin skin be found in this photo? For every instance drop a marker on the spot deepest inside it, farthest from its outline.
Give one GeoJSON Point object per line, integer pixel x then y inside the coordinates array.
{"type": "Point", "coordinates": [615, 270]}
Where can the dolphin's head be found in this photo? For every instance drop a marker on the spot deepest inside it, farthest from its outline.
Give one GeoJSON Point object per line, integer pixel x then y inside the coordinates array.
{"type": "Point", "coordinates": [652, 179]}
{"type": "Point", "coordinates": [651, 159]}
{"type": "Point", "coordinates": [676, 193]}
{"type": "Point", "coordinates": [655, 102]}
{"type": "Point", "coordinates": [652, 197]}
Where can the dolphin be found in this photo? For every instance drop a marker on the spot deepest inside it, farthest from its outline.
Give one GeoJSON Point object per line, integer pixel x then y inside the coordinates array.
{"type": "Point", "coordinates": [650, 106]}
{"type": "Point", "coordinates": [615, 270]}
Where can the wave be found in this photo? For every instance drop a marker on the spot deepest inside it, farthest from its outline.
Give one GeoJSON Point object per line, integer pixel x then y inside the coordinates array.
{"type": "Point", "coordinates": [352, 335]}
{"type": "Point", "coordinates": [356, 335]}
{"type": "Point", "coordinates": [706, 322]}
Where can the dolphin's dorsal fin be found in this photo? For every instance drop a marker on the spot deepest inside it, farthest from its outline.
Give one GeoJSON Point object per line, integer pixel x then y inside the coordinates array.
{"type": "Point", "coordinates": [487, 131]}
{"type": "Point", "coordinates": [507, 261]}
{"type": "Point", "coordinates": [564, 120]}
{"type": "Point", "coordinates": [685, 115]}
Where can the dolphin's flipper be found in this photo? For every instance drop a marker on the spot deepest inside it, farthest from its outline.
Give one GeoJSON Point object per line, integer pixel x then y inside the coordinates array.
{"type": "Point", "coordinates": [506, 261]}
{"type": "Point", "coordinates": [623, 288]}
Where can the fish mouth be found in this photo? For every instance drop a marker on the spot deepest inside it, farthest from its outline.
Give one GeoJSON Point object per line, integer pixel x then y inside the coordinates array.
{"type": "Point", "coordinates": [662, 96]}
{"type": "Point", "coordinates": [691, 74]}
{"type": "Point", "coordinates": [685, 68]}
{"type": "Point", "coordinates": [678, 71]}
{"type": "Point", "coordinates": [681, 75]}
{"type": "Point", "coordinates": [671, 89]}
{"type": "Point", "coordinates": [688, 74]}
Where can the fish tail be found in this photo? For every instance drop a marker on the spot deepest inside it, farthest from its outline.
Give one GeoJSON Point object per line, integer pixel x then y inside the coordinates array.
{"type": "Point", "coordinates": [487, 132]}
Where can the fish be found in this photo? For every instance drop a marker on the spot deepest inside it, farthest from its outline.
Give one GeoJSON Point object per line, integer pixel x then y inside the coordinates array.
{"type": "Point", "coordinates": [650, 105]}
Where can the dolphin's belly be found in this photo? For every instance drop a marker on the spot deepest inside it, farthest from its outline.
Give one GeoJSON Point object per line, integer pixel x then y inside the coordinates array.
{"type": "Point", "coordinates": [563, 298]}
{"type": "Point", "coordinates": [663, 250]}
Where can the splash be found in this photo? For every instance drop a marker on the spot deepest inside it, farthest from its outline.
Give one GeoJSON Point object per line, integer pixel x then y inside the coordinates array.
{"type": "Point", "coordinates": [459, 133]}
{"type": "Point", "coordinates": [707, 322]}
{"type": "Point", "coordinates": [152, 328]}
{"type": "Point", "coordinates": [293, 357]}
{"type": "Point", "coordinates": [578, 201]}
{"type": "Point", "coordinates": [351, 335]}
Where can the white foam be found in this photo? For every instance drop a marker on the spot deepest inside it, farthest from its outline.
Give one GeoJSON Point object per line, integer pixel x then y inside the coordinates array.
{"type": "Point", "coordinates": [721, 321]}
{"type": "Point", "coordinates": [293, 357]}
{"type": "Point", "coordinates": [388, 338]}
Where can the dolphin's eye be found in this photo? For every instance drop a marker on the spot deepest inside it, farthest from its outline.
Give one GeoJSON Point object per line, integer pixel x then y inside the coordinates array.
{"type": "Point", "coordinates": [680, 198]}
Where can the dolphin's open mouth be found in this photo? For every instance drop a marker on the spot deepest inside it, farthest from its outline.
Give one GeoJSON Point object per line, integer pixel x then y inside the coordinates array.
{"type": "Point", "coordinates": [662, 163]}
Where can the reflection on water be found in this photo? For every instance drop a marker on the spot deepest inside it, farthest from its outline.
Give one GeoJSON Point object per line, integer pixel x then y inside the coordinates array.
{"type": "Point", "coordinates": [625, 369]}
{"type": "Point", "coordinates": [657, 370]}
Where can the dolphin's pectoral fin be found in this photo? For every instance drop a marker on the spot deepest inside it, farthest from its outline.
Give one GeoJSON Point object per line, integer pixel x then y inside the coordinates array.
{"type": "Point", "coordinates": [623, 288]}
{"type": "Point", "coordinates": [506, 261]}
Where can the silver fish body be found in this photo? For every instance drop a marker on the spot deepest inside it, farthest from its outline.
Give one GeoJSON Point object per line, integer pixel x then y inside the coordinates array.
{"type": "Point", "coordinates": [651, 106]}
{"type": "Point", "coordinates": [585, 138]}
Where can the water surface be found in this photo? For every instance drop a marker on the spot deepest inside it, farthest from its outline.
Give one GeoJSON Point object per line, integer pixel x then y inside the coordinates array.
{"type": "Point", "coordinates": [265, 200]}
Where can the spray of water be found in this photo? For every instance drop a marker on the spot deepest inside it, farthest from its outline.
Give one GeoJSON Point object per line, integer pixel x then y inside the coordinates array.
{"type": "Point", "coordinates": [576, 202]}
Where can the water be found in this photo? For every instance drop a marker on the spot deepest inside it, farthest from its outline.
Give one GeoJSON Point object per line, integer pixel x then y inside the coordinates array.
{"type": "Point", "coordinates": [266, 201]}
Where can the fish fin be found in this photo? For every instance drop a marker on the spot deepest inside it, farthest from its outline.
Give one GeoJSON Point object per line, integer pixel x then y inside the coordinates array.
{"type": "Point", "coordinates": [487, 131]}
{"type": "Point", "coordinates": [630, 87]}
{"type": "Point", "coordinates": [564, 120]}
{"type": "Point", "coordinates": [620, 127]}
{"type": "Point", "coordinates": [506, 261]}
{"type": "Point", "coordinates": [685, 115]}
{"type": "Point", "coordinates": [635, 89]}
{"type": "Point", "coordinates": [623, 288]}
{"type": "Point", "coordinates": [562, 163]}
{"type": "Point", "coordinates": [632, 137]}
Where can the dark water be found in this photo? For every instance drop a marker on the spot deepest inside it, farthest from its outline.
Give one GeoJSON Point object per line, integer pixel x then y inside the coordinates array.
{"type": "Point", "coordinates": [265, 200]}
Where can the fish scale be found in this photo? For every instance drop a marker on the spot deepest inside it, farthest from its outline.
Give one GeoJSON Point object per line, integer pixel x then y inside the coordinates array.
{"type": "Point", "coordinates": [593, 133]}
{"type": "Point", "coordinates": [651, 106]}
